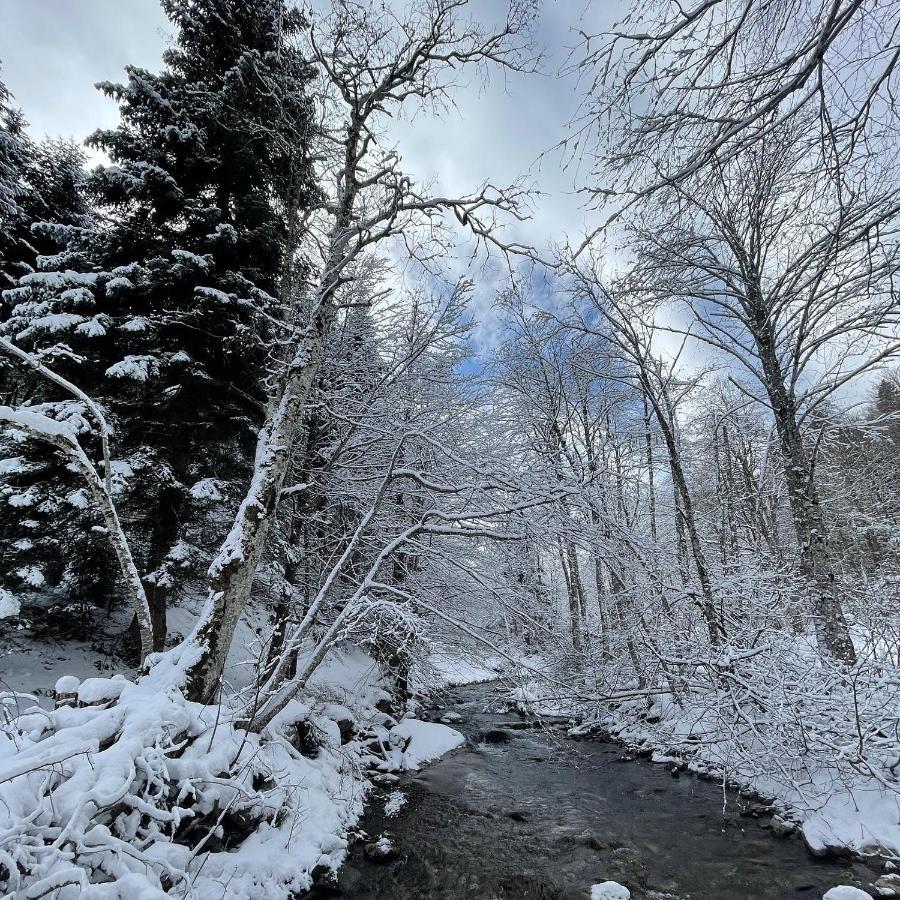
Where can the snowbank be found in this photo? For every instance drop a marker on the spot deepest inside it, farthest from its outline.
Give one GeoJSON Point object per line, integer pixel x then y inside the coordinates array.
{"type": "Point", "coordinates": [610, 890]}
{"type": "Point", "coordinates": [424, 742]}
{"type": "Point", "coordinates": [135, 792]}
{"type": "Point", "coordinates": [140, 786]}
{"type": "Point", "coordinates": [845, 892]}
{"type": "Point", "coordinates": [452, 670]}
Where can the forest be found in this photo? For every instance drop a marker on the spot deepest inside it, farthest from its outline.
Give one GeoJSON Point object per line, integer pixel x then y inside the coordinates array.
{"type": "Point", "coordinates": [295, 440]}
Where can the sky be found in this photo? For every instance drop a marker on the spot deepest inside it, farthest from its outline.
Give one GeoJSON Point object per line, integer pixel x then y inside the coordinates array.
{"type": "Point", "coordinates": [52, 53]}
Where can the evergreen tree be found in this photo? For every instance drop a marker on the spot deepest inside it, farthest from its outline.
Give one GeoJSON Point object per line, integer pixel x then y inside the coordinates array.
{"type": "Point", "coordinates": [15, 149]}
{"type": "Point", "coordinates": [887, 404]}
{"type": "Point", "coordinates": [166, 310]}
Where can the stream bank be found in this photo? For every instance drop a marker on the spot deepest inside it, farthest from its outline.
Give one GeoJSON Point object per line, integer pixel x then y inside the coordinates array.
{"type": "Point", "coordinates": [535, 815]}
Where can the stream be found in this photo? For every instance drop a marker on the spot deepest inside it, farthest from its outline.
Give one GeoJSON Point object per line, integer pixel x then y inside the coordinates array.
{"type": "Point", "coordinates": [541, 815]}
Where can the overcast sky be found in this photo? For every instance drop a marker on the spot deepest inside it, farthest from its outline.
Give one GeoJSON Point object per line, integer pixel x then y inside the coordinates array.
{"type": "Point", "coordinates": [54, 51]}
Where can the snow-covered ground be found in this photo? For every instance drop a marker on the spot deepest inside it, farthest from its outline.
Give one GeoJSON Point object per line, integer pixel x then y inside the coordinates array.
{"type": "Point", "coordinates": [215, 809]}
{"type": "Point", "coordinates": [446, 667]}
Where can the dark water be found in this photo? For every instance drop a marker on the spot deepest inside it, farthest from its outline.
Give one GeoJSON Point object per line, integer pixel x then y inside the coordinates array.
{"type": "Point", "coordinates": [545, 816]}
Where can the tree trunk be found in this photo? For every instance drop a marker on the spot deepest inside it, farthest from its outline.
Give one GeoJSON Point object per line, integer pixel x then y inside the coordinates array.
{"type": "Point", "coordinates": [684, 513]}
{"type": "Point", "coordinates": [816, 565]}
{"type": "Point", "coordinates": [568, 559]}
{"type": "Point", "coordinates": [651, 472]}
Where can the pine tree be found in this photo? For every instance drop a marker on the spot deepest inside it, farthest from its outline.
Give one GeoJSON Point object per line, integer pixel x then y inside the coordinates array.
{"type": "Point", "coordinates": [15, 149]}
{"type": "Point", "coordinates": [166, 310]}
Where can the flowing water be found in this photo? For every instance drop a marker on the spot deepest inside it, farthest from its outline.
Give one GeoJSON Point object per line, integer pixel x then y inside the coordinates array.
{"type": "Point", "coordinates": [545, 816]}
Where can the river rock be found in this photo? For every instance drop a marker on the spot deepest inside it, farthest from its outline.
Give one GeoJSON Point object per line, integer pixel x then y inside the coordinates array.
{"type": "Point", "coordinates": [386, 778]}
{"type": "Point", "coordinates": [383, 850]}
{"type": "Point", "coordinates": [495, 736]}
{"type": "Point", "coordinates": [846, 892]}
{"type": "Point", "coordinates": [824, 850]}
{"type": "Point", "coordinates": [888, 885]}
{"type": "Point", "coordinates": [303, 738]}
{"type": "Point", "coordinates": [610, 890]}
{"type": "Point", "coordinates": [782, 827]}
{"type": "Point", "coordinates": [592, 842]}
{"type": "Point", "coordinates": [324, 878]}
{"type": "Point", "coordinates": [66, 691]}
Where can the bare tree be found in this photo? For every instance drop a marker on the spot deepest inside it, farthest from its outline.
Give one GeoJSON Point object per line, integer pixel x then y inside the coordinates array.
{"type": "Point", "coordinates": [612, 312]}
{"type": "Point", "coordinates": [793, 279]}
{"type": "Point", "coordinates": [373, 65]}
{"type": "Point", "coordinates": [674, 88]}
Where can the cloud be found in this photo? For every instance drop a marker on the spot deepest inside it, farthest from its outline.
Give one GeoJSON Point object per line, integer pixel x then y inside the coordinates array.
{"type": "Point", "coordinates": [53, 51]}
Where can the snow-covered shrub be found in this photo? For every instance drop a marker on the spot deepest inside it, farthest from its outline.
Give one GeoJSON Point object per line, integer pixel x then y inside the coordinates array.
{"type": "Point", "coordinates": [137, 792]}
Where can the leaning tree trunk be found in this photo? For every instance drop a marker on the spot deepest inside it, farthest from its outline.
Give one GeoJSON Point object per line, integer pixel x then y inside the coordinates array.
{"type": "Point", "coordinates": [816, 563]}
{"type": "Point", "coordinates": [233, 571]}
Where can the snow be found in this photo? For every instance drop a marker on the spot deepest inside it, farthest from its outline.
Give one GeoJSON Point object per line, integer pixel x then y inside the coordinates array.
{"type": "Point", "coordinates": [307, 806]}
{"type": "Point", "coordinates": [135, 325]}
{"type": "Point", "coordinates": [428, 741]}
{"type": "Point", "coordinates": [78, 296]}
{"type": "Point", "coordinates": [31, 575]}
{"type": "Point", "coordinates": [452, 669]}
{"type": "Point", "coordinates": [35, 421]}
{"type": "Point", "coordinates": [66, 684]}
{"type": "Point", "coordinates": [52, 324]}
{"type": "Point", "coordinates": [206, 489]}
{"type": "Point", "coordinates": [9, 606]}
{"type": "Point", "coordinates": [137, 368]}
{"type": "Point", "coordinates": [845, 892]}
{"type": "Point", "coordinates": [121, 471]}
{"type": "Point", "coordinates": [213, 294]}
{"type": "Point", "coordinates": [99, 690]}
{"type": "Point", "coordinates": [201, 262]}
{"type": "Point", "coordinates": [180, 553]}
{"type": "Point", "coordinates": [56, 281]}
{"type": "Point", "coordinates": [93, 327]}
{"type": "Point", "coordinates": [14, 465]}
{"type": "Point", "coordinates": [25, 499]}
{"type": "Point", "coordinates": [610, 890]}
{"type": "Point", "coordinates": [118, 285]}
{"type": "Point", "coordinates": [78, 499]}
{"type": "Point", "coordinates": [395, 802]}
{"type": "Point", "coordinates": [305, 813]}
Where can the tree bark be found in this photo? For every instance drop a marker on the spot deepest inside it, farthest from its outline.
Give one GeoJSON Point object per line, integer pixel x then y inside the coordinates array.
{"type": "Point", "coordinates": [575, 590]}
{"type": "Point", "coordinates": [684, 513]}
{"type": "Point", "coordinates": [816, 563]}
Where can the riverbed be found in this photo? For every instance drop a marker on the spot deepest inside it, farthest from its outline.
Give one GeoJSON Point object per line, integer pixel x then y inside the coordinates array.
{"type": "Point", "coordinates": [530, 814]}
